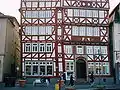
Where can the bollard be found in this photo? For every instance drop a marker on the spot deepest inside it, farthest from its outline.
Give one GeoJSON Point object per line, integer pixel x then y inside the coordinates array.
{"type": "Point", "coordinates": [57, 86]}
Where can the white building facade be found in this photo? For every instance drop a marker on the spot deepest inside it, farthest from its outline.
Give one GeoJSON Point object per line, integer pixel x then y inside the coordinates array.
{"type": "Point", "coordinates": [9, 45]}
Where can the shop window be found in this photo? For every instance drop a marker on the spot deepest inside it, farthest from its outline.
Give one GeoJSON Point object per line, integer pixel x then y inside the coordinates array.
{"type": "Point", "coordinates": [49, 70]}
{"type": "Point", "coordinates": [39, 68]}
{"type": "Point", "coordinates": [28, 70]}
{"type": "Point", "coordinates": [42, 70]}
{"type": "Point", "coordinates": [35, 70]}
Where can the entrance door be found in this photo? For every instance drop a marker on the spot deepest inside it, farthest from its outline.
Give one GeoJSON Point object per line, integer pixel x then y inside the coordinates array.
{"type": "Point", "coordinates": [80, 69]}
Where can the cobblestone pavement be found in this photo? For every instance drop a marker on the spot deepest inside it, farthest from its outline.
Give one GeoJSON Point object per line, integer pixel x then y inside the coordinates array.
{"type": "Point", "coordinates": [52, 87]}
{"type": "Point", "coordinates": [30, 87]}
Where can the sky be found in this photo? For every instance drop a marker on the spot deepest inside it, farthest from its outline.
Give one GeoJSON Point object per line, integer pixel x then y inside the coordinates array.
{"type": "Point", "coordinates": [11, 7]}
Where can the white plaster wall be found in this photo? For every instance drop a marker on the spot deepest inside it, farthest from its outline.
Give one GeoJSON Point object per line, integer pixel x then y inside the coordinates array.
{"type": "Point", "coordinates": [2, 35]}
{"type": "Point", "coordinates": [116, 40]}
{"type": "Point", "coordinates": [2, 45]}
{"type": "Point", "coordinates": [1, 68]}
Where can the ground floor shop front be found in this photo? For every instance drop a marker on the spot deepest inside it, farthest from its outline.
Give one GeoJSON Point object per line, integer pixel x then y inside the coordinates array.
{"type": "Point", "coordinates": [79, 68]}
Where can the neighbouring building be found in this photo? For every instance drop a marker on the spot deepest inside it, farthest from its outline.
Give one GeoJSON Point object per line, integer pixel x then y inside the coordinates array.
{"type": "Point", "coordinates": [115, 40]}
{"type": "Point", "coordinates": [9, 45]}
{"type": "Point", "coordinates": [69, 36]}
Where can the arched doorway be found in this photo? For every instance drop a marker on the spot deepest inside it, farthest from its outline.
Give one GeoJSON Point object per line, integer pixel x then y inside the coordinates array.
{"type": "Point", "coordinates": [81, 69]}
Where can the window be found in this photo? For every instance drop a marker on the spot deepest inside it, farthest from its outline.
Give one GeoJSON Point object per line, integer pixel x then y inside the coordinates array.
{"type": "Point", "coordinates": [69, 65]}
{"type": "Point", "coordinates": [101, 14]}
{"type": "Point", "coordinates": [96, 31]}
{"type": "Point", "coordinates": [48, 30]}
{"type": "Point", "coordinates": [106, 68]}
{"type": "Point", "coordinates": [90, 67]}
{"type": "Point", "coordinates": [34, 47]}
{"type": "Point", "coordinates": [95, 13]}
{"type": "Point", "coordinates": [82, 13]}
{"type": "Point", "coordinates": [28, 30]}
{"type": "Point", "coordinates": [89, 31]}
{"type": "Point", "coordinates": [103, 49]}
{"type": "Point", "coordinates": [46, 68]}
{"type": "Point", "coordinates": [69, 68]}
{"type": "Point", "coordinates": [48, 14]}
{"type": "Point", "coordinates": [97, 50]}
{"type": "Point", "coordinates": [28, 47]}
{"type": "Point", "coordinates": [28, 4]}
{"type": "Point", "coordinates": [34, 30]}
{"type": "Point", "coordinates": [28, 14]}
{"type": "Point", "coordinates": [41, 30]}
{"type": "Point", "coordinates": [34, 14]}
{"type": "Point", "coordinates": [89, 13]}
{"type": "Point", "coordinates": [49, 70]}
{"type": "Point", "coordinates": [45, 47]}
{"type": "Point", "coordinates": [68, 49]}
{"type": "Point", "coordinates": [89, 49]}
{"type": "Point", "coordinates": [75, 30]}
{"type": "Point", "coordinates": [79, 49]}
{"type": "Point", "coordinates": [45, 14]}
{"type": "Point", "coordinates": [48, 4]}
{"type": "Point", "coordinates": [35, 70]}
{"type": "Point", "coordinates": [45, 30]}
{"type": "Point", "coordinates": [34, 4]}
{"type": "Point", "coordinates": [70, 12]}
{"type": "Point", "coordinates": [39, 68]}
{"type": "Point", "coordinates": [76, 12]}
{"type": "Point", "coordinates": [41, 47]}
{"type": "Point", "coordinates": [48, 47]}
{"type": "Point", "coordinates": [78, 31]}
{"type": "Point", "coordinates": [39, 14]}
{"type": "Point", "coordinates": [41, 4]}
{"type": "Point", "coordinates": [28, 70]}
{"type": "Point", "coordinates": [42, 70]}
{"type": "Point", "coordinates": [81, 31]}
{"type": "Point", "coordinates": [99, 68]}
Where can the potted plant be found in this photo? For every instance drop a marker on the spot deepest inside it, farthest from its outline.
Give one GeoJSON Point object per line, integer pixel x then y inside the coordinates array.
{"type": "Point", "coordinates": [22, 82]}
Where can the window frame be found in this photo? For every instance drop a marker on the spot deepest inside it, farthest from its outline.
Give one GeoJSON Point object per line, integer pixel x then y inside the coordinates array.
{"type": "Point", "coordinates": [29, 47]}
{"type": "Point", "coordinates": [39, 64]}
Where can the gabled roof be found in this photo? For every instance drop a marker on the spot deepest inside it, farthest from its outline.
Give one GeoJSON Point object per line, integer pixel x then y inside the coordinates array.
{"type": "Point", "coordinates": [114, 9]}
{"type": "Point", "coordinates": [11, 18]}
{"type": "Point", "coordinates": [113, 14]}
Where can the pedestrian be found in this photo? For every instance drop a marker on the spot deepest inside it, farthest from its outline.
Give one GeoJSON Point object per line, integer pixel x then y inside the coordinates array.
{"type": "Point", "coordinates": [64, 77]}
{"type": "Point", "coordinates": [60, 77]}
{"type": "Point", "coordinates": [92, 79]}
{"type": "Point", "coordinates": [71, 80]}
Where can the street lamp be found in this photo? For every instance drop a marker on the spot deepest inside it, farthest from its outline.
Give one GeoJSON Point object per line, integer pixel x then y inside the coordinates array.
{"type": "Point", "coordinates": [17, 71]}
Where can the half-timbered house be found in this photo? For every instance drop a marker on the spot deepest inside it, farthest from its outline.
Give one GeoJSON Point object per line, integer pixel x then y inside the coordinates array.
{"type": "Point", "coordinates": [65, 36]}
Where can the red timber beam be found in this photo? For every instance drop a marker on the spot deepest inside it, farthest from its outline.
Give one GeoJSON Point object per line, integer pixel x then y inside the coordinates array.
{"type": "Point", "coordinates": [56, 45]}
{"type": "Point", "coordinates": [62, 44]}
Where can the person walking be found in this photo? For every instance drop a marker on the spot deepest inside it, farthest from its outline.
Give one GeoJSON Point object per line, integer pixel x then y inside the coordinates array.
{"type": "Point", "coordinates": [64, 78]}
{"type": "Point", "coordinates": [92, 79]}
{"type": "Point", "coordinates": [71, 80]}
